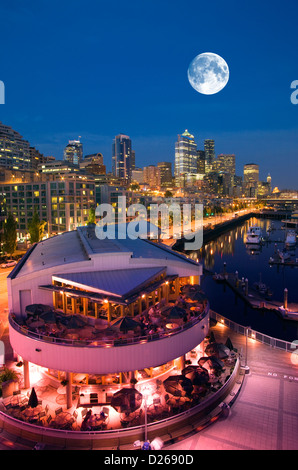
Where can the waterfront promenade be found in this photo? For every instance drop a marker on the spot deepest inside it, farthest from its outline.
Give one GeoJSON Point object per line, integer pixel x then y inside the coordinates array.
{"type": "Point", "coordinates": [265, 414]}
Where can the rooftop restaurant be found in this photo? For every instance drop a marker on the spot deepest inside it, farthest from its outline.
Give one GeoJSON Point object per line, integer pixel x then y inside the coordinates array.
{"type": "Point", "coordinates": [108, 344]}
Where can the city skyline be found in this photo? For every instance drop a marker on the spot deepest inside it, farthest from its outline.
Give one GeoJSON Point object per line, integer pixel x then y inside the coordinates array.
{"type": "Point", "coordinates": [131, 78]}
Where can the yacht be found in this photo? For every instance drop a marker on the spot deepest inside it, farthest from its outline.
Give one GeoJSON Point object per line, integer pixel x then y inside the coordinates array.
{"type": "Point", "coordinates": [254, 235]}
{"type": "Point", "coordinates": [290, 238]}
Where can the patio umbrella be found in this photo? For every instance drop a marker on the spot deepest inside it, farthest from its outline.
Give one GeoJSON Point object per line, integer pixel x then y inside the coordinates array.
{"type": "Point", "coordinates": [33, 401]}
{"type": "Point", "coordinates": [229, 345]}
{"type": "Point", "coordinates": [124, 324]}
{"type": "Point", "coordinates": [176, 313]}
{"type": "Point", "coordinates": [36, 309]}
{"type": "Point", "coordinates": [198, 296]}
{"type": "Point", "coordinates": [36, 324]}
{"type": "Point", "coordinates": [177, 384]}
{"type": "Point", "coordinates": [217, 349]}
{"type": "Point", "coordinates": [74, 321]}
{"type": "Point", "coordinates": [211, 363]}
{"type": "Point", "coordinates": [126, 400]}
{"type": "Point", "coordinates": [190, 289]}
{"type": "Point", "coordinates": [48, 316]}
{"type": "Point", "coordinates": [197, 374]}
{"type": "Point", "coordinates": [211, 337]}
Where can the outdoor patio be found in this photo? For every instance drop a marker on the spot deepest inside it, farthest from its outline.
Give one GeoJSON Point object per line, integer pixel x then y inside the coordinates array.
{"type": "Point", "coordinates": [170, 393]}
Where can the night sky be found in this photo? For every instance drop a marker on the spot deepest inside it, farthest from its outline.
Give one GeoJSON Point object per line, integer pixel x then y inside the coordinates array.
{"type": "Point", "coordinates": [99, 68]}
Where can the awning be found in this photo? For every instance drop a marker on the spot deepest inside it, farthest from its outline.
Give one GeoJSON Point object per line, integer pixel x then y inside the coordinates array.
{"type": "Point", "coordinates": [118, 283]}
{"type": "Point", "coordinates": [96, 297]}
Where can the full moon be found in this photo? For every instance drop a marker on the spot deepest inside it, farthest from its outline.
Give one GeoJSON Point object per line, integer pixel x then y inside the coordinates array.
{"type": "Point", "coordinates": [208, 73]}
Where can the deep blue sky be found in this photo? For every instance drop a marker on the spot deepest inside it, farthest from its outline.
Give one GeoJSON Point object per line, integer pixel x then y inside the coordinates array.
{"type": "Point", "coordinates": [98, 68]}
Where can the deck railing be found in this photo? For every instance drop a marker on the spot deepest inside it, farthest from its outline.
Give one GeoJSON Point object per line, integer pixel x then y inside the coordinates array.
{"type": "Point", "coordinates": [247, 330]}
{"type": "Point", "coordinates": [113, 341]}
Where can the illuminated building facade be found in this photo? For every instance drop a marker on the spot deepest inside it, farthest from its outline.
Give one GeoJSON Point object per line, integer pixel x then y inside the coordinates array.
{"type": "Point", "coordinates": [209, 155]}
{"type": "Point", "coordinates": [15, 152]}
{"type": "Point", "coordinates": [122, 157]}
{"type": "Point", "coordinates": [64, 204]}
{"type": "Point", "coordinates": [185, 157]}
{"type": "Point", "coordinates": [166, 176]}
{"type": "Point", "coordinates": [250, 179]}
{"type": "Point", "coordinates": [73, 152]}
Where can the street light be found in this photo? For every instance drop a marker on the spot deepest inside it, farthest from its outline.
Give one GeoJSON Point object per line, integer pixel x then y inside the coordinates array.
{"type": "Point", "coordinates": [246, 367]}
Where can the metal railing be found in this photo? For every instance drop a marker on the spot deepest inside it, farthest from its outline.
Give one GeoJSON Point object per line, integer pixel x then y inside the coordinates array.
{"type": "Point", "coordinates": [107, 342]}
{"type": "Point", "coordinates": [162, 424]}
{"type": "Point", "coordinates": [247, 330]}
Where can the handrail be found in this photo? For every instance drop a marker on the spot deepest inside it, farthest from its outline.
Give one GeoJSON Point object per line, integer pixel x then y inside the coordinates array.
{"type": "Point", "coordinates": [216, 397]}
{"type": "Point", "coordinates": [112, 342]}
{"type": "Point", "coordinates": [247, 330]}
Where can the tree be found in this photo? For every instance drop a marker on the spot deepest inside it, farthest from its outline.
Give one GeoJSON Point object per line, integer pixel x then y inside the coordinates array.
{"type": "Point", "coordinates": [10, 234]}
{"type": "Point", "coordinates": [91, 216]}
{"type": "Point", "coordinates": [168, 194]}
{"type": "Point", "coordinates": [36, 228]}
{"type": "Point", "coordinates": [134, 187]}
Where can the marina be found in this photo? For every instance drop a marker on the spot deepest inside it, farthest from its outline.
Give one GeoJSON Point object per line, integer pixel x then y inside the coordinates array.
{"type": "Point", "coordinates": [258, 296]}
{"type": "Point", "coordinates": [228, 251]}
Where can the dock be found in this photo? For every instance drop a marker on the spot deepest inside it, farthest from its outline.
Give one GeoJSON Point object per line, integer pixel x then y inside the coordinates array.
{"type": "Point", "coordinates": [256, 299]}
{"type": "Point", "coordinates": [283, 262]}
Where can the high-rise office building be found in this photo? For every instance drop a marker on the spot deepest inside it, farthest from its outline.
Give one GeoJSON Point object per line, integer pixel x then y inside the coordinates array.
{"type": "Point", "coordinates": [226, 163]}
{"type": "Point", "coordinates": [185, 157]}
{"type": "Point", "coordinates": [201, 162]}
{"type": "Point", "coordinates": [166, 176]}
{"type": "Point", "coordinates": [122, 158]}
{"type": "Point", "coordinates": [250, 179]}
{"type": "Point", "coordinates": [73, 152]}
{"type": "Point", "coordinates": [209, 155]}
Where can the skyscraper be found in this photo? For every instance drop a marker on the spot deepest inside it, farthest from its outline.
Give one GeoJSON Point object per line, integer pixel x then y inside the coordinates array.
{"type": "Point", "coordinates": [201, 162]}
{"type": "Point", "coordinates": [209, 155]}
{"type": "Point", "coordinates": [226, 163]}
{"type": "Point", "coordinates": [165, 173]}
{"type": "Point", "coordinates": [250, 179]}
{"type": "Point", "coordinates": [73, 152]}
{"type": "Point", "coordinates": [185, 157]}
{"type": "Point", "coordinates": [122, 158]}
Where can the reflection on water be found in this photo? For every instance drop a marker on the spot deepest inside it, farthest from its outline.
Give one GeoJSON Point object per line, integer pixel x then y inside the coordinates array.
{"type": "Point", "coordinates": [251, 262]}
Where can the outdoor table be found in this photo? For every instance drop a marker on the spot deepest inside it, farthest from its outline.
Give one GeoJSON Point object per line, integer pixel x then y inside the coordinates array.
{"type": "Point", "coordinates": [100, 326]}
{"type": "Point", "coordinates": [172, 326]}
{"type": "Point", "coordinates": [71, 336]}
{"type": "Point", "coordinates": [17, 399]}
{"type": "Point", "coordinates": [62, 419]}
{"type": "Point", "coordinates": [95, 420]}
{"type": "Point", "coordinates": [127, 417]}
{"type": "Point", "coordinates": [30, 413]}
{"type": "Point", "coordinates": [155, 409]}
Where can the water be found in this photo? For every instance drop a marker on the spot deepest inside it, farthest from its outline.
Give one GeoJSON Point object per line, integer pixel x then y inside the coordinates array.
{"type": "Point", "coordinates": [230, 248]}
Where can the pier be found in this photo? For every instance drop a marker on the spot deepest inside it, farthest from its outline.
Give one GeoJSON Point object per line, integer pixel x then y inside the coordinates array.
{"type": "Point", "coordinates": [256, 299]}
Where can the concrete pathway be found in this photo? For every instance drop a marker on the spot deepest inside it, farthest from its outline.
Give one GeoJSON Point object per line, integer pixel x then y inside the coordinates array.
{"type": "Point", "coordinates": [265, 413]}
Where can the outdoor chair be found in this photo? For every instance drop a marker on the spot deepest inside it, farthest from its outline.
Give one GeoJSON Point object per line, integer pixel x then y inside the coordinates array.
{"type": "Point", "coordinates": [106, 411]}
{"type": "Point", "coordinates": [58, 411]}
{"type": "Point", "coordinates": [47, 409]}
{"type": "Point", "coordinates": [49, 419]}
{"type": "Point", "coordinates": [75, 414]}
{"type": "Point", "coordinates": [84, 412]}
{"type": "Point", "coordinates": [16, 392]}
{"type": "Point", "coordinates": [39, 402]}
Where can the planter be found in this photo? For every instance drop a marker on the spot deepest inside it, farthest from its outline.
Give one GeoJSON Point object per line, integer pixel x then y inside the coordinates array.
{"type": "Point", "coordinates": [9, 387]}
